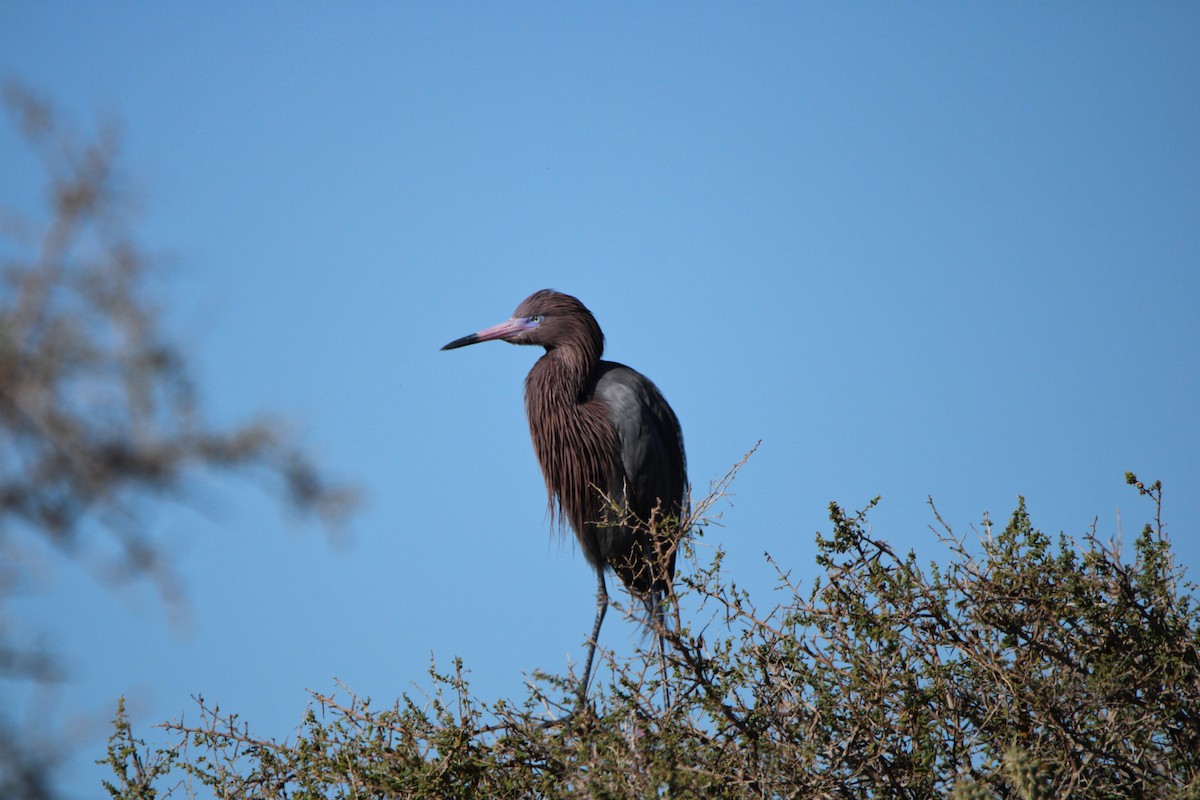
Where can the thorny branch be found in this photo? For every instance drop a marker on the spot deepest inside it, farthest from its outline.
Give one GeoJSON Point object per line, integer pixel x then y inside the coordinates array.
{"type": "Point", "coordinates": [1017, 669]}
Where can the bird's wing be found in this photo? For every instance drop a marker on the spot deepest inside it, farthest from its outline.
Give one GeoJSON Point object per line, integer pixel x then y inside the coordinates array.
{"type": "Point", "coordinates": [649, 438]}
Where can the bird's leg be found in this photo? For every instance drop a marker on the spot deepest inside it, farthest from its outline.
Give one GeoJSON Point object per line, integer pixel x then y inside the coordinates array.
{"type": "Point", "coordinates": [657, 622]}
{"type": "Point", "coordinates": [601, 608]}
{"type": "Point", "coordinates": [581, 699]}
{"type": "Point", "coordinates": [662, 660]}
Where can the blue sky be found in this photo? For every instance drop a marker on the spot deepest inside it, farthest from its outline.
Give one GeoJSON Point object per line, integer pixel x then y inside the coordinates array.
{"type": "Point", "coordinates": [937, 249]}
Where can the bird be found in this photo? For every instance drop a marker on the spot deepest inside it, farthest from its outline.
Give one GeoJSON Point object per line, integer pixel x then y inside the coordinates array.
{"type": "Point", "coordinates": [610, 449]}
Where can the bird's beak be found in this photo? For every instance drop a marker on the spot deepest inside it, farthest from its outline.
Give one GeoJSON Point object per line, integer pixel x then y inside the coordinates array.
{"type": "Point", "coordinates": [504, 330]}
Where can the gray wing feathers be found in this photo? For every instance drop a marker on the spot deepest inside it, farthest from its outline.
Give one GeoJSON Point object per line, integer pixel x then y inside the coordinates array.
{"type": "Point", "coordinates": [648, 434]}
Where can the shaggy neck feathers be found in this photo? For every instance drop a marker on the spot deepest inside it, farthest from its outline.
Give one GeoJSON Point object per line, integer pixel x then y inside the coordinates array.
{"type": "Point", "coordinates": [574, 441]}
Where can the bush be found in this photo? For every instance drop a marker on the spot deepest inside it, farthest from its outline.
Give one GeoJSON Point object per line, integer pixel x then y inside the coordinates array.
{"type": "Point", "coordinates": [1021, 667]}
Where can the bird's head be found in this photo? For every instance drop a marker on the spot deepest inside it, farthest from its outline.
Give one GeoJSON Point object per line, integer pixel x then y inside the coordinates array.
{"type": "Point", "coordinates": [547, 318]}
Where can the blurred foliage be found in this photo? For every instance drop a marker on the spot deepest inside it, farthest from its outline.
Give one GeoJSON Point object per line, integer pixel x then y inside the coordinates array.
{"type": "Point", "coordinates": [1020, 667]}
{"type": "Point", "coordinates": [98, 414]}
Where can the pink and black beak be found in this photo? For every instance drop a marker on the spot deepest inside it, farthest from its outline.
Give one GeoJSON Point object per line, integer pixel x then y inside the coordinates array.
{"type": "Point", "coordinates": [505, 330]}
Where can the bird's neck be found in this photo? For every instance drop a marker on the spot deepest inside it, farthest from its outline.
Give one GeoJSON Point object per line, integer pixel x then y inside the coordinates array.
{"type": "Point", "coordinates": [561, 376]}
{"type": "Point", "coordinates": [572, 437]}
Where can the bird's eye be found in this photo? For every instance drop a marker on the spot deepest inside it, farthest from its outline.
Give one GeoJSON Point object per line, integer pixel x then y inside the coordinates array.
{"type": "Point", "coordinates": [536, 319]}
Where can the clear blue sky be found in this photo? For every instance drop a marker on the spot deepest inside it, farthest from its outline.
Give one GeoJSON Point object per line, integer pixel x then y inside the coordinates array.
{"type": "Point", "coordinates": [935, 249]}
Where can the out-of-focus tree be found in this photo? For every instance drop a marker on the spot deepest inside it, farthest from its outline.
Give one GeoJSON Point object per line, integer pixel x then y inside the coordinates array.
{"type": "Point", "coordinates": [99, 418]}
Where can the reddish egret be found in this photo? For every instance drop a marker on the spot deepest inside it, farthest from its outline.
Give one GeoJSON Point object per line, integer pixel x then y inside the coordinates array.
{"type": "Point", "coordinates": [600, 431]}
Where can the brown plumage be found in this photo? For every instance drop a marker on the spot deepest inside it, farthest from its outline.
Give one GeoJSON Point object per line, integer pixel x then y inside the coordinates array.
{"type": "Point", "coordinates": [609, 445]}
